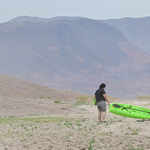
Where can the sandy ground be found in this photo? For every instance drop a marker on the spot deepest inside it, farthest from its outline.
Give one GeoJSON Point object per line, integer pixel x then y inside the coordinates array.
{"type": "Point", "coordinates": [34, 123]}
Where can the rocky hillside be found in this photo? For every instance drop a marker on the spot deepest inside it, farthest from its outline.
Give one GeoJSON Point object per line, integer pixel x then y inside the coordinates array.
{"type": "Point", "coordinates": [74, 53]}
{"type": "Point", "coordinates": [137, 30]}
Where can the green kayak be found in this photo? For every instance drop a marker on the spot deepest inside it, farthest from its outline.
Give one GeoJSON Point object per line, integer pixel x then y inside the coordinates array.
{"type": "Point", "coordinates": [129, 111]}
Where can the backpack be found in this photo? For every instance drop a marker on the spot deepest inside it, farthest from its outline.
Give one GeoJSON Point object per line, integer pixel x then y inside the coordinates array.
{"type": "Point", "coordinates": [94, 101]}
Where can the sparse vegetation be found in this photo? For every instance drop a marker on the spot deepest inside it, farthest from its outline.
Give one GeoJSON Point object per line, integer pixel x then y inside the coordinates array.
{"type": "Point", "coordinates": [11, 117]}
{"type": "Point", "coordinates": [144, 97]}
{"type": "Point", "coordinates": [91, 142]}
{"type": "Point", "coordinates": [81, 126]}
{"type": "Point", "coordinates": [82, 100]}
{"type": "Point", "coordinates": [111, 99]}
{"type": "Point", "coordinates": [79, 103]}
{"type": "Point", "coordinates": [41, 97]}
{"type": "Point", "coordinates": [24, 128]}
{"type": "Point", "coordinates": [83, 97]}
{"type": "Point", "coordinates": [57, 101]}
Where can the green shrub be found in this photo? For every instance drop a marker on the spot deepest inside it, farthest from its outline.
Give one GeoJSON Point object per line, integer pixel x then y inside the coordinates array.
{"type": "Point", "coordinates": [41, 97]}
{"type": "Point", "coordinates": [57, 101]}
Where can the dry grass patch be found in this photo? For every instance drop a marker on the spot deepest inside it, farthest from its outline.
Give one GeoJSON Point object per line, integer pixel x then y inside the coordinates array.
{"type": "Point", "coordinates": [57, 101]}
{"type": "Point", "coordinates": [144, 97]}
{"type": "Point", "coordinates": [83, 100]}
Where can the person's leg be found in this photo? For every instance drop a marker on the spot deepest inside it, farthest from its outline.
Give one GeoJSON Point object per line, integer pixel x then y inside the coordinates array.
{"type": "Point", "coordinates": [103, 106]}
{"type": "Point", "coordinates": [99, 111]}
{"type": "Point", "coordinates": [99, 116]}
{"type": "Point", "coordinates": [103, 116]}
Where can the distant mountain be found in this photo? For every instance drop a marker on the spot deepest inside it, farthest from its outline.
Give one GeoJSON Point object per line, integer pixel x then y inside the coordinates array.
{"type": "Point", "coordinates": [38, 19]}
{"type": "Point", "coordinates": [76, 54]}
{"type": "Point", "coordinates": [137, 30]}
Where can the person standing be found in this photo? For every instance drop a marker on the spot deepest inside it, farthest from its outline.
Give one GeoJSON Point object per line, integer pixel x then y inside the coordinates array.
{"type": "Point", "coordinates": [101, 99]}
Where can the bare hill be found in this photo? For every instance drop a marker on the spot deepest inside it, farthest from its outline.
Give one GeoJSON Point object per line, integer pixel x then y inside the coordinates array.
{"type": "Point", "coordinates": [14, 87]}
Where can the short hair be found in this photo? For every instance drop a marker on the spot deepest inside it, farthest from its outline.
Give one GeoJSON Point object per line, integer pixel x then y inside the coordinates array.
{"type": "Point", "coordinates": [103, 85]}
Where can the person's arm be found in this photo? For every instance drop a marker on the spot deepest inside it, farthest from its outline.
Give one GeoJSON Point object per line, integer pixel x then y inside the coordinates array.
{"type": "Point", "coordinates": [106, 99]}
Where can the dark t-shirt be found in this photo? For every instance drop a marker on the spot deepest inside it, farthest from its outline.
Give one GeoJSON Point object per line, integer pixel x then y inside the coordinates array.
{"type": "Point", "coordinates": [99, 95]}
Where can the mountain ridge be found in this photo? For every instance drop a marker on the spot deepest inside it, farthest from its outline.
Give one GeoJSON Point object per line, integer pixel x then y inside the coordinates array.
{"type": "Point", "coordinates": [76, 54]}
{"type": "Point", "coordinates": [134, 29]}
{"type": "Point", "coordinates": [39, 19]}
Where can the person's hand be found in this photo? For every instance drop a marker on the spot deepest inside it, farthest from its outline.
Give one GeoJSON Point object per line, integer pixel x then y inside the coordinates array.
{"type": "Point", "coordinates": [108, 103]}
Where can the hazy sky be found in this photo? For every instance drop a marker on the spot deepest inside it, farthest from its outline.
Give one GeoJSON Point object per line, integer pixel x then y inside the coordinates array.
{"type": "Point", "coordinates": [96, 9]}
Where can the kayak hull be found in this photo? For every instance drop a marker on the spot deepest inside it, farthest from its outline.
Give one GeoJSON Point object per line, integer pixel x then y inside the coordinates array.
{"type": "Point", "coordinates": [130, 111]}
